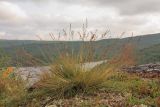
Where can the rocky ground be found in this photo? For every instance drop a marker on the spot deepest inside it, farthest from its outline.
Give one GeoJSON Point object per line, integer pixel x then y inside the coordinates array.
{"type": "Point", "coordinates": [145, 71]}
{"type": "Point", "coordinates": [101, 99]}
{"type": "Point", "coordinates": [97, 99]}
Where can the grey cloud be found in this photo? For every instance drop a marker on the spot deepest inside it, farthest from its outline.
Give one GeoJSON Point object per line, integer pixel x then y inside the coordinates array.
{"type": "Point", "coordinates": [11, 14]}
{"type": "Point", "coordinates": [125, 7]}
{"type": "Point", "coordinates": [25, 19]}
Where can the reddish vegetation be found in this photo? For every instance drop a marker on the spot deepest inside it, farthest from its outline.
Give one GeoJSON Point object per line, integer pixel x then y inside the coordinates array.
{"type": "Point", "coordinates": [7, 72]}
{"type": "Point", "coordinates": [144, 90]}
{"type": "Point", "coordinates": [125, 58]}
{"type": "Point", "coordinates": [158, 102]}
{"type": "Point", "coordinates": [2, 85]}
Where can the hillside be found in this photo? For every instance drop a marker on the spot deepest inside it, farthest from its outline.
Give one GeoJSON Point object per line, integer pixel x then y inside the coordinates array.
{"type": "Point", "coordinates": [143, 40]}
{"type": "Point", "coordinates": [45, 52]}
{"type": "Point", "coordinates": [150, 54]}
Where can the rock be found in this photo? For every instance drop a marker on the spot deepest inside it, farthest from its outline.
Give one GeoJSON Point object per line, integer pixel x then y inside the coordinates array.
{"type": "Point", "coordinates": [142, 105]}
{"type": "Point", "coordinates": [145, 71]}
{"type": "Point", "coordinates": [51, 106]}
{"type": "Point", "coordinates": [127, 95]}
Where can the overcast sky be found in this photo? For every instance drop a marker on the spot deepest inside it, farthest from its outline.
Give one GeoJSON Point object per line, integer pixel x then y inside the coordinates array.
{"type": "Point", "coordinates": [24, 19]}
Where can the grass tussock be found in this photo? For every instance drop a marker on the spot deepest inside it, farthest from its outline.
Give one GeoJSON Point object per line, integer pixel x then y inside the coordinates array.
{"type": "Point", "coordinates": [12, 92]}
{"type": "Point", "coordinates": [67, 77]}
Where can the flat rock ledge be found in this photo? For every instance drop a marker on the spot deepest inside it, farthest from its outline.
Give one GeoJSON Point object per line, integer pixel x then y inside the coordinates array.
{"type": "Point", "coordinates": [146, 71]}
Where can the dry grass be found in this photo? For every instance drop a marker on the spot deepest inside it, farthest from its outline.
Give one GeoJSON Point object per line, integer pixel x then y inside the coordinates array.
{"type": "Point", "coordinates": [67, 78]}
{"type": "Point", "coordinates": [12, 92]}
{"type": "Point", "coordinates": [125, 58]}
{"type": "Point", "coordinates": [158, 102]}
{"type": "Point", "coordinates": [2, 86]}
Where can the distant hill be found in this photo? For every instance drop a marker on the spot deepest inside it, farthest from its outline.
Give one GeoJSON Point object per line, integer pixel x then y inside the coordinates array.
{"type": "Point", "coordinates": [150, 54]}
{"type": "Point", "coordinates": [46, 51]}
{"type": "Point", "coordinates": [143, 41]}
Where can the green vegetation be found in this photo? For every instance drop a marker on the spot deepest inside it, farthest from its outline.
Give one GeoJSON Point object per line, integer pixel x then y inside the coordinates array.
{"type": "Point", "coordinates": [150, 54]}
{"type": "Point", "coordinates": [4, 59]}
{"type": "Point", "coordinates": [45, 52]}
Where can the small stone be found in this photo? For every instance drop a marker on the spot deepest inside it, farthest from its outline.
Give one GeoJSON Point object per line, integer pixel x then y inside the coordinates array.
{"type": "Point", "coordinates": [51, 106]}
{"type": "Point", "coordinates": [142, 105]}
{"type": "Point", "coordinates": [126, 95]}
